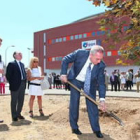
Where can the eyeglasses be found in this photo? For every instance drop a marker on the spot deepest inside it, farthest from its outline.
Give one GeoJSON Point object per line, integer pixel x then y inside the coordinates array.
{"type": "Point", "coordinates": [35, 61]}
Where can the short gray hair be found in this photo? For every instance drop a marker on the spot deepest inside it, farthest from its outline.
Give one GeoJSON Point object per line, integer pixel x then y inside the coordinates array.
{"type": "Point", "coordinates": [96, 48]}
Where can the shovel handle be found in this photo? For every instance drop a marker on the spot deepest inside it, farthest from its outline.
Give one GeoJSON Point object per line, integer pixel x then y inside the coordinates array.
{"type": "Point", "coordinates": [83, 93]}
{"type": "Point", "coordinates": [108, 112]}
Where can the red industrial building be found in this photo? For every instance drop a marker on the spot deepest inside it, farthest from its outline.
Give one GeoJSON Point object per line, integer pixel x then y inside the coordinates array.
{"type": "Point", "coordinates": [51, 45]}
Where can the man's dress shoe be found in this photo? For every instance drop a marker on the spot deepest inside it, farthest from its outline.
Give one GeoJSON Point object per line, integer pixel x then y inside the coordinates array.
{"type": "Point", "coordinates": [99, 134]}
{"type": "Point", "coordinates": [21, 117]}
{"type": "Point", "coordinates": [1, 121]}
{"type": "Point", "coordinates": [76, 131]}
{"type": "Point", "coordinates": [15, 119]}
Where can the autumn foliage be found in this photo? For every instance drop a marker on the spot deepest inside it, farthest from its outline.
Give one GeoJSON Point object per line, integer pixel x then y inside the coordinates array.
{"type": "Point", "coordinates": [114, 21]}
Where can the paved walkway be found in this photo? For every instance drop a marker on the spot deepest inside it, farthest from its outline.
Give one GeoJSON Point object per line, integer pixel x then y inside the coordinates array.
{"type": "Point", "coordinates": [109, 93]}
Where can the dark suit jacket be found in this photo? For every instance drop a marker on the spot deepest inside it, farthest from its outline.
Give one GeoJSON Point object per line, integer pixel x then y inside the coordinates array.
{"type": "Point", "coordinates": [115, 80]}
{"type": "Point", "coordinates": [13, 75]}
{"type": "Point", "coordinates": [79, 58]}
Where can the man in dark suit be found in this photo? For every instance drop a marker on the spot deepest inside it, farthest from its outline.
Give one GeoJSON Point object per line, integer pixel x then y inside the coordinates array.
{"type": "Point", "coordinates": [77, 76]}
{"type": "Point", "coordinates": [113, 81]}
{"type": "Point", "coordinates": [1, 70]}
{"type": "Point", "coordinates": [16, 77]}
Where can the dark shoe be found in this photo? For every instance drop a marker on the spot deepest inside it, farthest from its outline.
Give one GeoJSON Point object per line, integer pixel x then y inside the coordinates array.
{"type": "Point", "coordinates": [31, 113]}
{"type": "Point", "coordinates": [76, 131]}
{"type": "Point", "coordinates": [41, 112]}
{"type": "Point", "coordinates": [1, 121]}
{"type": "Point", "coordinates": [21, 117]}
{"type": "Point", "coordinates": [15, 119]}
{"type": "Point", "coordinates": [99, 134]}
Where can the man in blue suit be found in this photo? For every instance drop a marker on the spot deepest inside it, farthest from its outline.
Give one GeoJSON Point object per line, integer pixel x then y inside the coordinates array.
{"type": "Point", "coordinates": [16, 77]}
{"type": "Point", "coordinates": [77, 76]}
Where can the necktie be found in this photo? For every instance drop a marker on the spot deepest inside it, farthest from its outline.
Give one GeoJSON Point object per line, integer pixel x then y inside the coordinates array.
{"type": "Point", "coordinates": [87, 80]}
{"type": "Point", "coordinates": [22, 72]}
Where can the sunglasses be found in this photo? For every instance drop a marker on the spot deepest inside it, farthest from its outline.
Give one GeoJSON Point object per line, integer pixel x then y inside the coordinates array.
{"type": "Point", "coordinates": [35, 61]}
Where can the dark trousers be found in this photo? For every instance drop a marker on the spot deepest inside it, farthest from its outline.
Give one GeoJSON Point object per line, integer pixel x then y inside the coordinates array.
{"type": "Point", "coordinates": [118, 85]}
{"type": "Point", "coordinates": [92, 109]}
{"type": "Point", "coordinates": [128, 84]}
{"type": "Point", "coordinates": [113, 86]}
{"type": "Point", "coordinates": [17, 99]}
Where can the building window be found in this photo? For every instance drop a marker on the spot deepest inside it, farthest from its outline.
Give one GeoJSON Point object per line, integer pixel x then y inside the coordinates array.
{"type": "Point", "coordinates": [44, 37]}
{"type": "Point", "coordinates": [114, 53]}
{"type": "Point", "coordinates": [76, 36]}
{"type": "Point", "coordinates": [80, 36]}
{"type": "Point", "coordinates": [109, 53]}
{"type": "Point", "coordinates": [57, 58]}
{"type": "Point", "coordinates": [88, 34]}
{"type": "Point", "coordinates": [64, 38]}
{"type": "Point", "coordinates": [53, 41]}
{"type": "Point", "coordinates": [119, 53]}
{"type": "Point", "coordinates": [99, 33]}
{"type": "Point", "coordinates": [60, 39]}
{"type": "Point", "coordinates": [53, 58]}
{"type": "Point", "coordinates": [102, 32]}
{"type": "Point", "coordinates": [71, 37]}
{"type": "Point", "coordinates": [60, 58]}
{"type": "Point", "coordinates": [49, 59]}
{"type": "Point", "coordinates": [49, 41]}
{"type": "Point", "coordinates": [44, 50]}
{"type": "Point", "coordinates": [68, 38]}
{"type": "Point", "coordinates": [84, 35]}
{"type": "Point", "coordinates": [57, 40]}
{"type": "Point", "coordinates": [93, 33]}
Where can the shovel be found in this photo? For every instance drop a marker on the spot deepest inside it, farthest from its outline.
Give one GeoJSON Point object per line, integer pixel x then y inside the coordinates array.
{"type": "Point", "coordinates": [108, 112]}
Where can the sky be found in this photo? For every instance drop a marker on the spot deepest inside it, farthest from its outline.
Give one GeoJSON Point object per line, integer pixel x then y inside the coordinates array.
{"type": "Point", "coordinates": [19, 19]}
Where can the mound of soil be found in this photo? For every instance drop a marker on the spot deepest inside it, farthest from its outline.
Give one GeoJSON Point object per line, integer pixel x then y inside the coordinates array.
{"type": "Point", "coordinates": [55, 124]}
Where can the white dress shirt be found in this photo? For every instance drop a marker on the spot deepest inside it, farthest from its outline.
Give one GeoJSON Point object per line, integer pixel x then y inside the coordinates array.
{"type": "Point", "coordinates": [20, 69]}
{"type": "Point", "coordinates": [81, 76]}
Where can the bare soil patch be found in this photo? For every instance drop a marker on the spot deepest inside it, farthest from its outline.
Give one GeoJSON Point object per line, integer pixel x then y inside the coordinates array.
{"type": "Point", "coordinates": [55, 124]}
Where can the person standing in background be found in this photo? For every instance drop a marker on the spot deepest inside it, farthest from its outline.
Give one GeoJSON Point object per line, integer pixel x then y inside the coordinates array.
{"type": "Point", "coordinates": [106, 79]}
{"type": "Point", "coordinates": [50, 80]}
{"type": "Point", "coordinates": [137, 77]}
{"type": "Point", "coordinates": [16, 76]}
{"type": "Point", "coordinates": [2, 83]}
{"type": "Point", "coordinates": [123, 80]}
{"type": "Point", "coordinates": [117, 73]}
{"type": "Point", "coordinates": [1, 71]}
{"type": "Point", "coordinates": [129, 78]}
{"type": "Point", "coordinates": [112, 81]}
{"type": "Point", "coordinates": [35, 75]}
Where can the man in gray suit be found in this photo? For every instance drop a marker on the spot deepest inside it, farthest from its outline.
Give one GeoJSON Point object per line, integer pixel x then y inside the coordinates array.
{"type": "Point", "coordinates": [16, 77]}
{"type": "Point", "coordinates": [77, 76]}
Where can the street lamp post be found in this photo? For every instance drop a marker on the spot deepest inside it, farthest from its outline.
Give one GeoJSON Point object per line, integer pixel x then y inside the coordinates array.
{"type": "Point", "coordinates": [6, 54]}
{"type": "Point", "coordinates": [29, 51]}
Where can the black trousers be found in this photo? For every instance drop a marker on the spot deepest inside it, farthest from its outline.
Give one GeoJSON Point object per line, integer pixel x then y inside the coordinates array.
{"type": "Point", "coordinates": [17, 100]}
